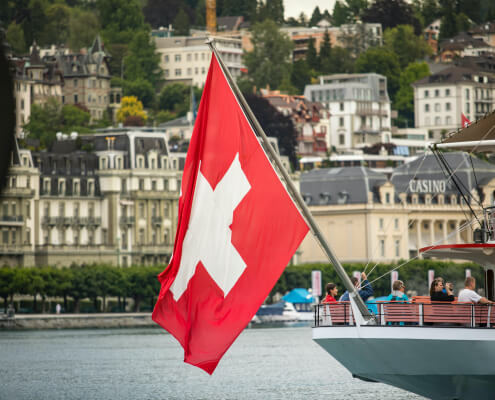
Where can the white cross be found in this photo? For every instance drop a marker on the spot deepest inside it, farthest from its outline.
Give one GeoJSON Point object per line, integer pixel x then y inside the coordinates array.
{"type": "Point", "coordinates": [209, 237]}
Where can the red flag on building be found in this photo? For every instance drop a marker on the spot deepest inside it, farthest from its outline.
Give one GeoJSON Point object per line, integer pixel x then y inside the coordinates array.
{"type": "Point", "coordinates": [237, 230]}
{"type": "Point", "coordinates": [464, 121]}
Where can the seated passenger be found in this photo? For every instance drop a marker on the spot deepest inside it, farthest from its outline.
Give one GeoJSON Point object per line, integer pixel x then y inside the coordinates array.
{"type": "Point", "coordinates": [437, 292]}
{"type": "Point", "coordinates": [332, 292]}
{"type": "Point", "coordinates": [468, 295]}
{"type": "Point", "coordinates": [398, 289]}
{"type": "Point", "coordinates": [365, 292]}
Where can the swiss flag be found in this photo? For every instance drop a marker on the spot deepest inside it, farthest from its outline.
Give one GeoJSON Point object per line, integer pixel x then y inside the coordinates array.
{"type": "Point", "coordinates": [237, 230]}
{"type": "Point", "coordinates": [464, 121]}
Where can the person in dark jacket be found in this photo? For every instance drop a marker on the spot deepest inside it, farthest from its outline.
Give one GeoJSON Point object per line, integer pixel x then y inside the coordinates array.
{"type": "Point", "coordinates": [365, 292]}
{"type": "Point", "coordinates": [437, 292]}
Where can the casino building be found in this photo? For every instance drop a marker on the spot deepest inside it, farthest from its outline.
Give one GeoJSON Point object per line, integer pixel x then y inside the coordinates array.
{"type": "Point", "coordinates": [367, 215]}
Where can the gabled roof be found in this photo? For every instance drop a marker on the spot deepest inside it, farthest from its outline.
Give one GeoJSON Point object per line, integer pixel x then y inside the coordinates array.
{"type": "Point", "coordinates": [483, 29]}
{"type": "Point", "coordinates": [453, 74]}
{"type": "Point", "coordinates": [461, 41]}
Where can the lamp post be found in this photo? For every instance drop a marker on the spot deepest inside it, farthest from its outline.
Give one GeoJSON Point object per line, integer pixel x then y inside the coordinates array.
{"type": "Point", "coordinates": [118, 250]}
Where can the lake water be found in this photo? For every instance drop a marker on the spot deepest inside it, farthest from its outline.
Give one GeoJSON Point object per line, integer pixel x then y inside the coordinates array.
{"type": "Point", "coordinates": [264, 363]}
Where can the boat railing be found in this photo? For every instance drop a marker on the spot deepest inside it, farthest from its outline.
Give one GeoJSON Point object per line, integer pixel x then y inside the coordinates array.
{"type": "Point", "coordinates": [466, 315]}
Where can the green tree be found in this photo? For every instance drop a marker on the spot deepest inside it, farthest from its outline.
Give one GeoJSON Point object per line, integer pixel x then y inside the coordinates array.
{"type": "Point", "coordinates": [120, 19]}
{"type": "Point", "coordinates": [404, 102]}
{"type": "Point", "coordinates": [35, 21]}
{"type": "Point", "coordinates": [269, 63]}
{"type": "Point", "coordinates": [79, 288]}
{"type": "Point", "coordinates": [176, 98]}
{"type": "Point", "coordinates": [341, 13]}
{"type": "Point", "coordinates": [315, 17]}
{"type": "Point", "coordinates": [342, 61]}
{"type": "Point", "coordinates": [381, 61]}
{"type": "Point", "coordinates": [312, 56]}
{"type": "Point", "coordinates": [272, 10]}
{"type": "Point", "coordinates": [408, 47]}
{"type": "Point", "coordinates": [181, 23]}
{"type": "Point", "coordinates": [74, 117]}
{"type": "Point", "coordinates": [142, 61]}
{"type": "Point", "coordinates": [56, 30]}
{"type": "Point", "coordinates": [391, 13]}
{"type": "Point", "coordinates": [83, 28]}
{"type": "Point", "coordinates": [448, 27]}
{"type": "Point", "coordinates": [44, 122]}
{"type": "Point", "coordinates": [6, 284]}
{"type": "Point", "coordinates": [430, 11]}
{"type": "Point", "coordinates": [326, 54]}
{"type": "Point", "coordinates": [15, 37]}
{"type": "Point", "coordinates": [140, 88]}
{"type": "Point", "coordinates": [300, 75]}
{"type": "Point", "coordinates": [356, 7]}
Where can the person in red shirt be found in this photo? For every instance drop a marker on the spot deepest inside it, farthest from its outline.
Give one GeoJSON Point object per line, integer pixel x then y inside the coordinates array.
{"type": "Point", "coordinates": [332, 292]}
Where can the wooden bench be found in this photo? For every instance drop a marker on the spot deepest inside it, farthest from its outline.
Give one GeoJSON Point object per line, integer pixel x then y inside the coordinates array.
{"type": "Point", "coordinates": [393, 313]}
{"type": "Point", "coordinates": [484, 315]}
{"type": "Point", "coordinates": [448, 313]}
{"type": "Point", "coordinates": [336, 313]}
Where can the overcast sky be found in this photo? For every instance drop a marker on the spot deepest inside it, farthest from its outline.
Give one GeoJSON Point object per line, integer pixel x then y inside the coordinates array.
{"type": "Point", "coordinates": [292, 8]}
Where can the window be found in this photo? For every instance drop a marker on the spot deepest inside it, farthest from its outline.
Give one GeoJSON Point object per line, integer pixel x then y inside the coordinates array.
{"type": "Point", "coordinates": [468, 108]}
{"type": "Point", "coordinates": [427, 108]}
{"type": "Point", "coordinates": [341, 121]}
{"type": "Point", "coordinates": [447, 92]}
{"type": "Point", "coordinates": [153, 185]}
{"type": "Point", "coordinates": [91, 210]}
{"type": "Point", "coordinates": [61, 209]}
{"type": "Point", "coordinates": [427, 93]}
{"type": "Point", "coordinates": [447, 106]}
{"type": "Point", "coordinates": [467, 94]}
{"type": "Point", "coordinates": [397, 248]}
{"type": "Point", "coordinates": [166, 210]}
{"type": "Point", "coordinates": [91, 188]}
{"type": "Point", "coordinates": [75, 82]}
{"type": "Point", "coordinates": [382, 247]}
{"type": "Point", "coordinates": [177, 57]}
{"type": "Point", "coordinates": [76, 188]}
{"type": "Point", "coordinates": [141, 236]}
{"type": "Point", "coordinates": [76, 209]}
{"type": "Point", "coordinates": [448, 120]}
{"type": "Point", "coordinates": [124, 186]}
{"type": "Point", "coordinates": [61, 187]}
{"type": "Point", "coordinates": [341, 106]}
{"type": "Point", "coordinates": [166, 236]}
{"type": "Point", "coordinates": [165, 184]}
{"type": "Point", "coordinates": [165, 58]}
{"type": "Point", "coordinates": [178, 72]}
{"type": "Point", "coordinates": [387, 198]}
{"type": "Point", "coordinates": [5, 236]}
{"type": "Point", "coordinates": [341, 139]}
{"type": "Point", "coordinates": [76, 99]}
{"type": "Point", "coordinates": [141, 184]}
{"type": "Point", "coordinates": [438, 121]}
{"type": "Point", "coordinates": [380, 222]}
{"type": "Point", "coordinates": [167, 73]}
{"type": "Point", "coordinates": [141, 210]}
{"type": "Point", "coordinates": [437, 92]}
{"type": "Point", "coordinates": [437, 107]}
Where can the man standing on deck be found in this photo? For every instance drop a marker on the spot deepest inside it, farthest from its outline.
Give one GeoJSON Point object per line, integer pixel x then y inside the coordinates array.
{"type": "Point", "coordinates": [468, 295]}
{"type": "Point", "coordinates": [365, 292]}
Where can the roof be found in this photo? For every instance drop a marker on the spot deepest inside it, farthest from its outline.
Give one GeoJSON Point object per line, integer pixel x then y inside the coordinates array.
{"type": "Point", "coordinates": [348, 185]}
{"type": "Point", "coordinates": [428, 169]}
{"type": "Point", "coordinates": [483, 29]}
{"type": "Point", "coordinates": [178, 122]}
{"type": "Point", "coordinates": [461, 41]}
{"type": "Point", "coordinates": [298, 295]}
{"type": "Point", "coordinates": [453, 74]}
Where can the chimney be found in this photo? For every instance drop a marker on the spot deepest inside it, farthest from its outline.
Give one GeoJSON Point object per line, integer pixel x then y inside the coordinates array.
{"type": "Point", "coordinates": [211, 16]}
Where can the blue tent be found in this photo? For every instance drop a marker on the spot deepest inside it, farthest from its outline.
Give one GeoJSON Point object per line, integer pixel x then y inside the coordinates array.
{"type": "Point", "coordinates": [298, 296]}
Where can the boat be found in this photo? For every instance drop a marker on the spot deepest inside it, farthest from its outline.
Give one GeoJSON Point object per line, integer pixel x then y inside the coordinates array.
{"type": "Point", "coordinates": [296, 306]}
{"type": "Point", "coordinates": [440, 351]}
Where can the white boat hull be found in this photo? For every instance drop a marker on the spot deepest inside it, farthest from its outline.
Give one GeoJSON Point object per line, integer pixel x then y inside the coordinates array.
{"type": "Point", "coordinates": [435, 362]}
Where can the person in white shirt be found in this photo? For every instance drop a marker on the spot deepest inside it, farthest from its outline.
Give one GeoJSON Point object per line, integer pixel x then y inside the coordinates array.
{"type": "Point", "coordinates": [468, 295]}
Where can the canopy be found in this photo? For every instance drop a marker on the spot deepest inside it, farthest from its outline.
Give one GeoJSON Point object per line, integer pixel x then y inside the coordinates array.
{"type": "Point", "coordinates": [298, 296]}
{"type": "Point", "coordinates": [478, 137]}
{"type": "Point", "coordinates": [481, 253]}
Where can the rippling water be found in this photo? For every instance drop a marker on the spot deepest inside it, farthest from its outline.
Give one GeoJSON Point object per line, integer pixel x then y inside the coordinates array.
{"type": "Point", "coordinates": [267, 363]}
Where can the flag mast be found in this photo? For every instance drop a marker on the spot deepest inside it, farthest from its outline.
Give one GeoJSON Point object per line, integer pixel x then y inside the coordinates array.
{"type": "Point", "coordinates": [296, 196]}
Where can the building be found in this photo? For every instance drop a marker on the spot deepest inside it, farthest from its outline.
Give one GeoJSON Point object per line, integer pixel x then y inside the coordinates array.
{"type": "Point", "coordinates": [87, 80]}
{"type": "Point", "coordinates": [311, 120]}
{"type": "Point", "coordinates": [485, 32]}
{"type": "Point", "coordinates": [180, 128]}
{"type": "Point", "coordinates": [367, 217]}
{"type": "Point", "coordinates": [111, 197]}
{"type": "Point", "coordinates": [35, 81]}
{"type": "Point", "coordinates": [462, 45]}
{"type": "Point", "coordinates": [432, 33]}
{"type": "Point", "coordinates": [186, 59]}
{"type": "Point", "coordinates": [441, 98]}
{"type": "Point", "coordinates": [359, 107]}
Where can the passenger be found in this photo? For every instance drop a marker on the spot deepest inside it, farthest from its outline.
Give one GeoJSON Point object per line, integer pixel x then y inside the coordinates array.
{"type": "Point", "coordinates": [366, 290]}
{"type": "Point", "coordinates": [332, 292]}
{"type": "Point", "coordinates": [437, 292]}
{"type": "Point", "coordinates": [398, 289]}
{"type": "Point", "coordinates": [468, 295]}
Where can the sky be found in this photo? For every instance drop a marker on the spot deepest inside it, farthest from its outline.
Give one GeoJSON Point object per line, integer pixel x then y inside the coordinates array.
{"type": "Point", "coordinates": [292, 8]}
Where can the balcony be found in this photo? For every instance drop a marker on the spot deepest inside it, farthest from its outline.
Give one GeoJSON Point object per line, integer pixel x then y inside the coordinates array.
{"type": "Point", "coordinates": [12, 220]}
{"type": "Point", "coordinates": [94, 221]}
{"type": "Point", "coordinates": [125, 220]}
{"type": "Point", "coordinates": [156, 220]}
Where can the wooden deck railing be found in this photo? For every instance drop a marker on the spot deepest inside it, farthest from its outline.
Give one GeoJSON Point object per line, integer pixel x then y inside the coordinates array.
{"type": "Point", "coordinates": [412, 314]}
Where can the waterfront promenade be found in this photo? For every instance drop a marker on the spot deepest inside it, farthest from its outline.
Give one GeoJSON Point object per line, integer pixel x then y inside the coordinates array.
{"type": "Point", "coordinates": [74, 321]}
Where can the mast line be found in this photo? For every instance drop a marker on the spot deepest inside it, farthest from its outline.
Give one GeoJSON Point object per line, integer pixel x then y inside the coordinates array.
{"type": "Point", "coordinates": [296, 196]}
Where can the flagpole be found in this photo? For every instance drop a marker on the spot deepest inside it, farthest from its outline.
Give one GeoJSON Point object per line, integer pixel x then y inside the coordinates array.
{"type": "Point", "coordinates": [296, 196]}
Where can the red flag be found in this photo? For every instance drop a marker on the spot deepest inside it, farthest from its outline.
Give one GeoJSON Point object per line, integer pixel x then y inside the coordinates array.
{"type": "Point", "coordinates": [237, 230]}
{"type": "Point", "coordinates": [464, 121]}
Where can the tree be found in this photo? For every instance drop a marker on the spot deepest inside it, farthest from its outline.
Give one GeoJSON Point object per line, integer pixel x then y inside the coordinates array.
{"type": "Point", "coordinates": [391, 13]}
{"type": "Point", "coordinates": [6, 284]}
{"type": "Point", "coordinates": [15, 37]}
{"type": "Point", "coordinates": [56, 30]}
{"type": "Point", "coordinates": [448, 26]}
{"type": "Point", "coordinates": [356, 7]}
{"type": "Point", "coordinates": [269, 63]}
{"type": "Point", "coordinates": [312, 56]}
{"type": "Point", "coordinates": [181, 23]}
{"type": "Point", "coordinates": [275, 124]}
{"type": "Point", "coordinates": [120, 19]}
{"type": "Point", "coordinates": [430, 11]}
{"type": "Point", "coordinates": [140, 88]}
{"type": "Point", "coordinates": [342, 61]}
{"type": "Point", "coordinates": [83, 28]}
{"type": "Point", "coordinates": [74, 117]}
{"type": "Point", "coordinates": [341, 14]}
{"type": "Point", "coordinates": [408, 47]}
{"type": "Point", "coordinates": [404, 102]}
{"type": "Point", "coordinates": [130, 106]}
{"type": "Point", "coordinates": [300, 75]}
{"type": "Point", "coordinates": [381, 61]}
{"type": "Point", "coordinates": [142, 61]}
{"type": "Point", "coordinates": [163, 12]}
{"type": "Point", "coordinates": [176, 98]}
{"type": "Point", "coordinates": [315, 17]}
{"type": "Point", "coordinates": [272, 10]}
